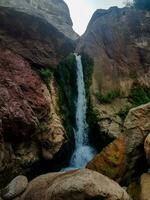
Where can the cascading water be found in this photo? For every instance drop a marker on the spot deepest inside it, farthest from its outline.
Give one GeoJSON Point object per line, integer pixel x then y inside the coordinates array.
{"type": "Point", "coordinates": [83, 152]}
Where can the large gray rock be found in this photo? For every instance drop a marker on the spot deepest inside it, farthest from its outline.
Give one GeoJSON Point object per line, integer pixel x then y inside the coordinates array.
{"type": "Point", "coordinates": [15, 187]}
{"type": "Point", "coordinates": [74, 185]}
{"type": "Point", "coordinates": [55, 12]}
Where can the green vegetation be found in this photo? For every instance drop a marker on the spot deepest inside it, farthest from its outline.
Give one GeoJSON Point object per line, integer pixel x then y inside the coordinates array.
{"type": "Point", "coordinates": [139, 95]}
{"type": "Point", "coordinates": [109, 171]}
{"type": "Point", "coordinates": [88, 64]}
{"type": "Point", "coordinates": [46, 74]}
{"type": "Point", "coordinates": [108, 97]}
{"type": "Point", "coordinates": [65, 76]}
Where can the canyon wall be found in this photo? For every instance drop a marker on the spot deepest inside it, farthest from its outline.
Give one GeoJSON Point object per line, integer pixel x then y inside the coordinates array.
{"type": "Point", "coordinates": [118, 41]}
{"type": "Point", "coordinates": [34, 37]}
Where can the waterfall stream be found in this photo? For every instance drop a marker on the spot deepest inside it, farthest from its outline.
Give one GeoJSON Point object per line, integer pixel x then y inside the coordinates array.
{"type": "Point", "coordinates": [83, 152]}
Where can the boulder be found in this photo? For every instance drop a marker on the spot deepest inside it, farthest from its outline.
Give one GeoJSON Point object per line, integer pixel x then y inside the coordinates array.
{"type": "Point", "coordinates": [145, 187]}
{"type": "Point", "coordinates": [30, 125]}
{"type": "Point", "coordinates": [147, 148]}
{"type": "Point", "coordinates": [15, 187]}
{"type": "Point", "coordinates": [111, 161]}
{"type": "Point", "coordinates": [122, 155]}
{"type": "Point", "coordinates": [74, 185]}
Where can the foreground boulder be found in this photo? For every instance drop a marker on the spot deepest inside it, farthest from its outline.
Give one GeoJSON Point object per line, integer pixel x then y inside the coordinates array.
{"type": "Point", "coordinates": [147, 148]}
{"type": "Point", "coordinates": [15, 187]}
{"type": "Point", "coordinates": [74, 185]}
{"type": "Point", "coordinates": [123, 154]}
{"type": "Point", "coordinates": [145, 187]}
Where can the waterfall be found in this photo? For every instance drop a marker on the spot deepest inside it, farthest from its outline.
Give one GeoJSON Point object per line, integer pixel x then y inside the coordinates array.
{"type": "Point", "coordinates": [83, 152]}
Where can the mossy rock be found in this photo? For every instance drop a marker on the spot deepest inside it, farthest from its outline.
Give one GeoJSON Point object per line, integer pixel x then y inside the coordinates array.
{"type": "Point", "coordinates": [134, 190]}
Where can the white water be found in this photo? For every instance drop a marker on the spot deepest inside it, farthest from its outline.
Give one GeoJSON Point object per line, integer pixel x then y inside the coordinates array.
{"type": "Point", "coordinates": [83, 152]}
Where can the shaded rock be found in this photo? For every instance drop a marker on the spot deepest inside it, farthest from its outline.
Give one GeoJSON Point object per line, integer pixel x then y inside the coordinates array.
{"type": "Point", "coordinates": [134, 190]}
{"type": "Point", "coordinates": [111, 161]}
{"type": "Point", "coordinates": [39, 33]}
{"type": "Point", "coordinates": [73, 185]}
{"type": "Point", "coordinates": [147, 148]}
{"type": "Point", "coordinates": [145, 187]}
{"type": "Point", "coordinates": [123, 154]}
{"type": "Point", "coordinates": [15, 187]}
{"type": "Point", "coordinates": [28, 114]}
{"type": "Point", "coordinates": [54, 12]}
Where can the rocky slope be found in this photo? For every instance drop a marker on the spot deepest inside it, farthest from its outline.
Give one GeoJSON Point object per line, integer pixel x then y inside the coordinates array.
{"type": "Point", "coordinates": [119, 160]}
{"type": "Point", "coordinates": [34, 37]}
{"type": "Point", "coordinates": [118, 41]}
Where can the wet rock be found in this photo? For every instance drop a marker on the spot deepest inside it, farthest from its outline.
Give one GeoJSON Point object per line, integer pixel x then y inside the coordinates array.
{"type": "Point", "coordinates": [15, 187]}
{"type": "Point", "coordinates": [111, 161]}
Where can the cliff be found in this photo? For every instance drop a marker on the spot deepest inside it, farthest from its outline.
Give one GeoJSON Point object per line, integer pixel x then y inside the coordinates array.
{"type": "Point", "coordinates": [40, 31]}
{"type": "Point", "coordinates": [34, 37]}
{"type": "Point", "coordinates": [118, 41]}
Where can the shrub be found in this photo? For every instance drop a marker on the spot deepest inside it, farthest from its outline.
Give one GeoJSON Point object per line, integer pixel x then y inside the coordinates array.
{"type": "Point", "coordinates": [108, 97]}
{"type": "Point", "coordinates": [46, 74]}
{"type": "Point", "coordinates": [139, 95]}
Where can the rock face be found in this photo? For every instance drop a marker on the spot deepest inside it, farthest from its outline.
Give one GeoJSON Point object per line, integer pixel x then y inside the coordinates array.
{"type": "Point", "coordinates": [118, 41]}
{"type": "Point", "coordinates": [79, 184]}
{"type": "Point", "coordinates": [147, 148]}
{"type": "Point", "coordinates": [30, 125]}
{"type": "Point", "coordinates": [37, 34]}
{"type": "Point", "coordinates": [54, 12]}
{"type": "Point", "coordinates": [145, 187]}
{"type": "Point", "coordinates": [15, 187]}
{"type": "Point", "coordinates": [111, 161]}
{"type": "Point", "coordinates": [34, 35]}
{"type": "Point", "coordinates": [123, 154]}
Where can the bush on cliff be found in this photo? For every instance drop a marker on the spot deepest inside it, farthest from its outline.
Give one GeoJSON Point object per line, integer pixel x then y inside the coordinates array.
{"type": "Point", "coordinates": [46, 74]}
{"type": "Point", "coordinates": [108, 97]}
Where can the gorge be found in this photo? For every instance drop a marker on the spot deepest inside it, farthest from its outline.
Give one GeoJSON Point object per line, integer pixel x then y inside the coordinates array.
{"type": "Point", "coordinates": [73, 126]}
{"type": "Point", "coordinates": [83, 152]}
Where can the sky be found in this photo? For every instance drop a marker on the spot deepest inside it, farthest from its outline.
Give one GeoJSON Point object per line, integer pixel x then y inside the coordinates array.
{"type": "Point", "coordinates": [82, 10]}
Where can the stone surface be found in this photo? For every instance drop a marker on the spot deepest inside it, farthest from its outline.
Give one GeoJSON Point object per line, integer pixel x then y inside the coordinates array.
{"type": "Point", "coordinates": [15, 187]}
{"type": "Point", "coordinates": [118, 41]}
{"type": "Point", "coordinates": [33, 37]}
{"type": "Point", "coordinates": [145, 187]}
{"type": "Point", "coordinates": [74, 185]}
{"type": "Point", "coordinates": [111, 161]}
{"type": "Point", "coordinates": [54, 12]}
{"type": "Point", "coordinates": [147, 148]}
{"type": "Point", "coordinates": [128, 147]}
{"type": "Point", "coordinates": [119, 48]}
{"type": "Point", "coordinates": [29, 120]}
